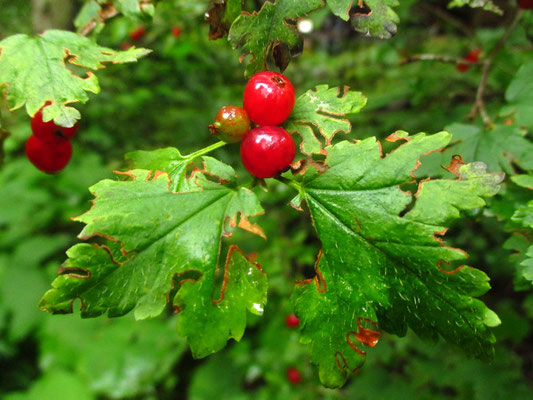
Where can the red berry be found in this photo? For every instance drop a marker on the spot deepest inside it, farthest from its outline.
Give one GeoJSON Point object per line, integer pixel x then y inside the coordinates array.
{"type": "Point", "coordinates": [49, 132]}
{"type": "Point", "coordinates": [176, 31]}
{"type": "Point", "coordinates": [292, 321]}
{"type": "Point", "coordinates": [138, 33]}
{"type": "Point", "coordinates": [48, 157]}
{"type": "Point", "coordinates": [268, 98]}
{"type": "Point", "coordinates": [294, 375]}
{"type": "Point", "coordinates": [473, 55]}
{"type": "Point", "coordinates": [526, 4]}
{"type": "Point", "coordinates": [231, 123]}
{"type": "Point", "coordinates": [126, 46]}
{"type": "Point", "coordinates": [267, 150]}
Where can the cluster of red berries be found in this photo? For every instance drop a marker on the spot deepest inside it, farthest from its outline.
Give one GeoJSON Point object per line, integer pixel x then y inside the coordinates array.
{"type": "Point", "coordinates": [49, 148]}
{"type": "Point", "coordinates": [268, 101]}
{"type": "Point", "coordinates": [471, 57]}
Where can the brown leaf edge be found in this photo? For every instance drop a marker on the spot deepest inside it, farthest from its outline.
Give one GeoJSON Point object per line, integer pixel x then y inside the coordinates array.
{"type": "Point", "coordinates": [342, 92]}
{"type": "Point", "coordinates": [364, 335]}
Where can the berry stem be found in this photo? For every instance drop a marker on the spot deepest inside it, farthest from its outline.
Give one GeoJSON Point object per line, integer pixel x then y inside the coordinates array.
{"type": "Point", "coordinates": [193, 156]}
{"type": "Point", "coordinates": [205, 150]}
{"type": "Point", "coordinates": [292, 183]}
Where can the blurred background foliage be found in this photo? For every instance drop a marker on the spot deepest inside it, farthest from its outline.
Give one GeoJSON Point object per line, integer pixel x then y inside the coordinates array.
{"type": "Point", "coordinates": [168, 99]}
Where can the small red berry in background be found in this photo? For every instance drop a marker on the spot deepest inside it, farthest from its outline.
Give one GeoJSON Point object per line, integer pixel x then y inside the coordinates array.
{"type": "Point", "coordinates": [267, 151]}
{"type": "Point", "coordinates": [293, 375]}
{"type": "Point", "coordinates": [292, 321]}
{"type": "Point", "coordinates": [231, 124]}
{"type": "Point", "coordinates": [126, 46]}
{"type": "Point", "coordinates": [268, 98]}
{"type": "Point", "coordinates": [49, 132]}
{"type": "Point", "coordinates": [525, 4]}
{"type": "Point", "coordinates": [472, 56]}
{"type": "Point", "coordinates": [176, 31]}
{"type": "Point", "coordinates": [138, 33]}
{"type": "Point", "coordinates": [49, 157]}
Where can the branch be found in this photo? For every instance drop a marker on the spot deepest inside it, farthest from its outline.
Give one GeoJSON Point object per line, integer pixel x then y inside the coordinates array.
{"type": "Point", "coordinates": [479, 105]}
{"type": "Point", "coordinates": [437, 57]}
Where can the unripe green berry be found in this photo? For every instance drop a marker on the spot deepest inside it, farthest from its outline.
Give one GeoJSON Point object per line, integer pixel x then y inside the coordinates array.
{"type": "Point", "coordinates": [231, 124]}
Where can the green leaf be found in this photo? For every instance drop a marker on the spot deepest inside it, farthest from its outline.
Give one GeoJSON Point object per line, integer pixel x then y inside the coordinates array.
{"type": "Point", "coordinates": [341, 8]}
{"type": "Point", "coordinates": [519, 95]}
{"type": "Point", "coordinates": [258, 33]}
{"type": "Point", "coordinates": [522, 259]}
{"type": "Point", "coordinates": [383, 261]}
{"type": "Point", "coordinates": [498, 147]}
{"type": "Point", "coordinates": [323, 108]}
{"type": "Point", "coordinates": [523, 180]}
{"type": "Point", "coordinates": [524, 215]}
{"type": "Point", "coordinates": [154, 239]}
{"type": "Point", "coordinates": [380, 21]}
{"type": "Point", "coordinates": [528, 264]}
{"type": "Point", "coordinates": [208, 325]}
{"type": "Point", "coordinates": [487, 5]}
{"type": "Point", "coordinates": [38, 70]}
{"type": "Point", "coordinates": [171, 161]}
{"type": "Point", "coordinates": [94, 13]}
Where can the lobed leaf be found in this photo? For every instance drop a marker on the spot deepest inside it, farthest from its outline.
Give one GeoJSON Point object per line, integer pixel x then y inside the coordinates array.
{"type": "Point", "coordinates": [383, 262]}
{"type": "Point", "coordinates": [379, 21]}
{"type": "Point", "coordinates": [323, 109]}
{"type": "Point", "coordinates": [207, 326]}
{"type": "Point", "coordinates": [154, 239]}
{"type": "Point", "coordinates": [259, 33]}
{"type": "Point", "coordinates": [38, 71]}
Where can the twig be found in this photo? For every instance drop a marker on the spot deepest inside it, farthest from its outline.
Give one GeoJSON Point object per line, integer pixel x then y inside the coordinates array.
{"type": "Point", "coordinates": [437, 57]}
{"type": "Point", "coordinates": [479, 104]}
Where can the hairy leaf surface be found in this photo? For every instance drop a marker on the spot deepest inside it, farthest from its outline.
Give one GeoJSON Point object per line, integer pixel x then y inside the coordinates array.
{"type": "Point", "coordinates": [383, 262]}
